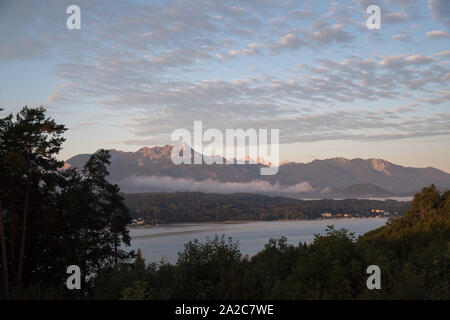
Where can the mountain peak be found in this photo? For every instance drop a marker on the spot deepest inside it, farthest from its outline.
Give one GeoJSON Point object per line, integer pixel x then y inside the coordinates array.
{"type": "Point", "coordinates": [156, 149]}
{"type": "Point", "coordinates": [156, 152]}
{"type": "Point", "coordinates": [341, 160]}
{"type": "Point", "coordinates": [380, 165]}
{"type": "Point", "coordinates": [143, 150]}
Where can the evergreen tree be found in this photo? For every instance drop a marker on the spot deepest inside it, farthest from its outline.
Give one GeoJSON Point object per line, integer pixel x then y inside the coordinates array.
{"type": "Point", "coordinates": [96, 214]}
{"type": "Point", "coordinates": [30, 142]}
{"type": "Point", "coordinates": [4, 258]}
{"type": "Point", "coordinates": [52, 218]}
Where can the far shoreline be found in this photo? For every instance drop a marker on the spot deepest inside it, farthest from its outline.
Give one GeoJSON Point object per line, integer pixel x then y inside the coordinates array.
{"type": "Point", "coordinates": [183, 224]}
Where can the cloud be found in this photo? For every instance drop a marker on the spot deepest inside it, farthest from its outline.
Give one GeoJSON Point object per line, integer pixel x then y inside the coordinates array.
{"type": "Point", "coordinates": [440, 9]}
{"type": "Point", "coordinates": [401, 61]}
{"type": "Point", "coordinates": [169, 184]}
{"type": "Point", "coordinates": [419, 59]}
{"type": "Point", "coordinates": [290, 41]}
{"type": "Point", "coordinates": [439, 97]}
{"type": "Point", "coordinates": [294, 103]}
{"type": "Point", "coordinates": [442, 53]}
{"type": "Point", "coordinates": [252, 49]}
{"type": "Point", "coordinates": [395, 17]}
{"type": "Point", "coordinates": [396, 61]}
{"type": "Point", "coordinates": [402, 3]}
{"type": "Point", "coordinates": [315, 72]}
{"type": "Point", "coordinates": [402, 36]}
{"type": "Point", "coordinates": [329, 33]}
{"type": "Point", "coordinates": [437, 34]}
{"type": "Point", "coordinates": [303, 13]}
{"type": "Point", "coordinates": [178, 57]}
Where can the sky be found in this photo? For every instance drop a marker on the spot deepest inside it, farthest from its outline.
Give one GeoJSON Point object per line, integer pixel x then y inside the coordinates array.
{"type": "Point", "coordinates": [138, 70]}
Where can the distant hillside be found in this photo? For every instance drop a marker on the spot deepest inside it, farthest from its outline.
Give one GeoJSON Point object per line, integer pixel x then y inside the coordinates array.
{"type": "Point", "coordinates": [363, 189]}
{"type": "Point", "coordinates": [151, 170]}
{"type": "Point", "coordinates": [205, 207]}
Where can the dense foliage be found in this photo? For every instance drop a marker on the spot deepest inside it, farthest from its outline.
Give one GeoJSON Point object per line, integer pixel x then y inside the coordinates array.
{"type": "Point", "coordinates": [52, 218]}
{"type": "Point", "coordinates": [204, 207]}
{"type": "Point", "coordinates": [413, 253]}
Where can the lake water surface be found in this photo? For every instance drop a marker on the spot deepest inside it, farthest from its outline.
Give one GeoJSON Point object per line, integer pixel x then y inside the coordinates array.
{"type": "Point", "coordinates": [167, 240]}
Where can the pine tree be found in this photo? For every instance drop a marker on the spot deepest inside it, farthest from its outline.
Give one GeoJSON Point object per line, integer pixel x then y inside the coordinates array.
{"type": "Point", "coordinates": [40, 141]}
{"type": "Point", "coordinates": [98, 217]}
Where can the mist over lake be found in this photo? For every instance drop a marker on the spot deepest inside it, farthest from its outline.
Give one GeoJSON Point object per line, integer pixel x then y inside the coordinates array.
{"type": "Point", "coordinates": [164, 242]}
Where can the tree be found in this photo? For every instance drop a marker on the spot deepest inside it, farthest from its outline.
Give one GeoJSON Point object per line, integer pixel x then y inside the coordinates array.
{"type": "Point", "coordinates": [40, 139]}
{"type": "Point", "coordinates": [29, 143]}
{"type": "Point", "coordinates": [119, 219]}
{"type": "Point", "coordinates": [96, 216]}
{"type": "Point", "coordinates": [211, 270]}
{"type": "Point", "coordinates": [4, 259]}
{"type": "Point", "coordinates": [332, 268]}
{"type": "Point", "coordinates": [418, 247]}
{"type": "Point", "coordinates": [127, 281]}
{"type": "Point", "coordinates": [69, 217]}
{"type": "Point", "coordinates": [272, 266]}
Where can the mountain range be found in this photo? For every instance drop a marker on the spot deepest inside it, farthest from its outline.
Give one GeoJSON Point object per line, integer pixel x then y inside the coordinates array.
{"type": "Point", "coordinates": [152, 170]}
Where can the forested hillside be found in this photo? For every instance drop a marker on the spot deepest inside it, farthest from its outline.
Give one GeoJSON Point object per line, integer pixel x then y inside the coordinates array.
{"type": "Point", "coordinates": [412, 252]}
{"type": "Point", "coordinates": [204, 207]}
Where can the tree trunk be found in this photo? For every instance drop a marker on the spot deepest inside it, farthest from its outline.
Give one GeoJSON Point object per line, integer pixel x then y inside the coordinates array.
{"type": "Point", "coordinates": [4, 257]}
{"type": "Point", "coordinates": [115, 250]}
{"type": "Point", "coordinates": [24, 229]}
{"type": "Point", "coordinates": [84, 261]}
{"type": "Point", "coordinates": [13, 227]}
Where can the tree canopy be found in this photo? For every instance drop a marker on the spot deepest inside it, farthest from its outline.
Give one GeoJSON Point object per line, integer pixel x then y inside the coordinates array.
{"type": "Point", "coordinates": [52, 218]}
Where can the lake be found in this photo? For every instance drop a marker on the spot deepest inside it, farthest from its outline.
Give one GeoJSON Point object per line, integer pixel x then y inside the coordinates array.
{"type": "Point", "coordinates": [167, 240]}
